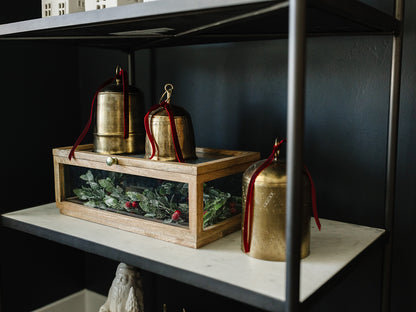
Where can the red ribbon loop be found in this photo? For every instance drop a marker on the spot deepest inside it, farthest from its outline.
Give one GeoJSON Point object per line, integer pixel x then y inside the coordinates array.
{"type": "Point", "coordinates": [313, 197]}
{"type": "Point", "coordinates": [248, 213]}
{"type": "Point", "coordinates": [123, 75]}
{"type": "Point", "coordinates": [165, 105]}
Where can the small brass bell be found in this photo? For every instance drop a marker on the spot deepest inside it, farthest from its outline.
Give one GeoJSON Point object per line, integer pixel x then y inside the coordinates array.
{"type": "Point", "coordinates": [161, 134]}
{"type": "Point", "coordinates": [110, 123]}
{"type": "Point", "coordinates": [268, 216]}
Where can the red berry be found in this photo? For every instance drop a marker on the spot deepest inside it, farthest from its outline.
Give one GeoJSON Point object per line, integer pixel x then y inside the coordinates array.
{"type": "Point", "coordinates": [232, 204]}
{"type": "Point", "coordinates": [176, 215]}
{"type": "Point", "coordinates": [128, 204]}
{"type": "Point", "coordinates": [135, 204]}
{"type": "Point", "coordinates": [205, 212]}
{"type": "Point", "coordinates": [233, 210]}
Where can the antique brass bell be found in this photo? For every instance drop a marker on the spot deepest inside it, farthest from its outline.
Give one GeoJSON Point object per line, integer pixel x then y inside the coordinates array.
{"type": "Point", "coordinates": [268, 216]}
{"type": "Point", "coordinates": [160, 128]}
{"type": "Point", "coordinates": [110, 123]}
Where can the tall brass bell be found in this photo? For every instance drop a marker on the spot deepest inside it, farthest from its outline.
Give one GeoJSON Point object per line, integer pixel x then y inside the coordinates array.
{"type": "Point", "coordinates": [109, 128]}
{"type": "Point", "coordinates": [160, 128]}
{"type": "Point", "coordinates": [268, 216]}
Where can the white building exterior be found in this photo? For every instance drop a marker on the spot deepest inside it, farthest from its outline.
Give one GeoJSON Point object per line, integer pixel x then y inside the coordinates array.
{"type": "Point", "coordinates": [61, 7]}
{"type": "Point", "coordinates": [102, 4]}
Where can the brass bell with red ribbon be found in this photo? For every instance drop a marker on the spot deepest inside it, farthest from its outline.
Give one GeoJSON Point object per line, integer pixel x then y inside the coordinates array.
{"type": "Point", "coordinates": [119, 128]}
{"type": "Point", "coordinates": [120, 109]}
{"type": "Point", "coordinates": [264, 209]}
{"type": "Point", "coordinates": [169, 131]}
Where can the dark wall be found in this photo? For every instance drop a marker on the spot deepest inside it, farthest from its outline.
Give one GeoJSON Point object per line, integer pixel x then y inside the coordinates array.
{"type": "Point", "coordinates": [236, 94]}
{"type": "Point", "coordinates": [14, 11]}
{"type": "Point", "coordinates": [39, 111]}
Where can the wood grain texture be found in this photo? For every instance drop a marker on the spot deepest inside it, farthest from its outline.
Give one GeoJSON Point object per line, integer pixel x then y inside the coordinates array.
{"type": "Point", "coordinates": [170, 233]}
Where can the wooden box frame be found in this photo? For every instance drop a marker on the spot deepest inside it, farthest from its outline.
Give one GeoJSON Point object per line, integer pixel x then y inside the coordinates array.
{"type": "Point", "coordinates": [195, 236]}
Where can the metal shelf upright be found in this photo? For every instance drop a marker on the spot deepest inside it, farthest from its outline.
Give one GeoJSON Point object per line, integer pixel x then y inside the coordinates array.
{"type": "Point", "coordinates": [391, 164]}
{"type": "Point", "coordinates": [295, 130]}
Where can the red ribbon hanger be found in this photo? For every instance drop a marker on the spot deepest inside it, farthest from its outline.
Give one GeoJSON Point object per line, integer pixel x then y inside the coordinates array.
{"type": "Point", "coordinates": [165, 105]}
{"type": "Point", "coordinates": [248, 213]}
{"type": "Point", "coordinates": [120, 73]}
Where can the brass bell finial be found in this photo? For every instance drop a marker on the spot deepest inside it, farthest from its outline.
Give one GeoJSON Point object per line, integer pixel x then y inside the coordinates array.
{"type": "Point", "coordinates": [168, 92]}
{"type": "Point", "coordinates": [118, 80]}
{"type": "Point", "coordinates": [277, 153]}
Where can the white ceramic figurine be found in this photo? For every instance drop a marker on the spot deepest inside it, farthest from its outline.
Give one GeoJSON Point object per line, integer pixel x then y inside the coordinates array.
{"type": "Point", "coordinates": [126, 292]}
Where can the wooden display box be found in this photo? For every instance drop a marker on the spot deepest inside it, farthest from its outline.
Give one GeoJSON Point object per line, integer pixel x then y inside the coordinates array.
{"type": "Point", "coordinates": [210, 167]}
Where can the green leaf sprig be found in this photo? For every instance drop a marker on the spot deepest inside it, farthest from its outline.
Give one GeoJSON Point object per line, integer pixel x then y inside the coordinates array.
{"type": "Point", "coordinates": [168, 201]}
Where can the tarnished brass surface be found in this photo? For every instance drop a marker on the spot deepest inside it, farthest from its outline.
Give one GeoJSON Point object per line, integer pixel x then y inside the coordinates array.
{"type": "Point", "coordinates": [268, 238]}
{"type": "Point", "coordinates": [161, 131]}
{"type": "Point", "coordinates": [109, 129]}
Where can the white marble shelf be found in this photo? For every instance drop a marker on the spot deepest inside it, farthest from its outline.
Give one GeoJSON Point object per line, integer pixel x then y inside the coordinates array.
{"type": "Point", "coordinates": [219, 267]}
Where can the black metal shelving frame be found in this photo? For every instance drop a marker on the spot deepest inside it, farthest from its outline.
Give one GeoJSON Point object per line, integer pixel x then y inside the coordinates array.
{"type": "Point", "coordinates": [185, 22]}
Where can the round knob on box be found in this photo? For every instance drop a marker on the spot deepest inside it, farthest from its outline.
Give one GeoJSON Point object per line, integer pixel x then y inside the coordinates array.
{"type": "Point", "coordinates": [111, 161]}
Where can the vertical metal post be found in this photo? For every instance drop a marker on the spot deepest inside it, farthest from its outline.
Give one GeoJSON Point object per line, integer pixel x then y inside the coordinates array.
{"type": "Point", "coordinates": [295, 132]}
{"type": "Point", "coordinates": [131, 68]}
{"type": "Point", "coordinates": [392, 155]}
